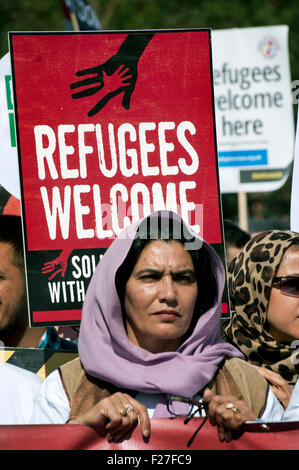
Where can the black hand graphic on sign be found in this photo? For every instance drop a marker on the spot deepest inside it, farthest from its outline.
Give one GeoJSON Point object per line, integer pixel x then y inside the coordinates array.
{"type": "Point", "coordinates": [122, 67]}
{"type": "Point", "coordinates": [110, 86]}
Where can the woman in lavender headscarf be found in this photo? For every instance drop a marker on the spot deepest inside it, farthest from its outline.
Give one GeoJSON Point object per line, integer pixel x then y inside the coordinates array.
{"type": "Point", "coordinates": [150, 329]}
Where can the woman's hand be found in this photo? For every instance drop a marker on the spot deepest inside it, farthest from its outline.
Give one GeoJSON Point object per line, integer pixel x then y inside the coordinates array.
{"type": "Point", "coordinates": [227, 413]}
{"type": "Point", "coordinates": [119, 413]}
{"type": "Point", "coordinates": [279, 387]}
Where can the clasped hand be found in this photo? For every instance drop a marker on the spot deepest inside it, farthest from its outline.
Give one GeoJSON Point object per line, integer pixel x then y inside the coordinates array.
{"type": "Point", "coordinates": [227, 413]}
{"type": "Point", "coordinates": [119, 414]}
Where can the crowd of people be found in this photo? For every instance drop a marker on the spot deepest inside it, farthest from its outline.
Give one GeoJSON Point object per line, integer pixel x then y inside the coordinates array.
{"type": "Point", "coordinates": [152, 342]}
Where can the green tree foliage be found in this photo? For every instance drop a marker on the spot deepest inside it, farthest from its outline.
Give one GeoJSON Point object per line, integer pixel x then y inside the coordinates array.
{"type": "Point", "coordinates": [46, 15]}
{"type": "Point", "coordinates": [28, 15]}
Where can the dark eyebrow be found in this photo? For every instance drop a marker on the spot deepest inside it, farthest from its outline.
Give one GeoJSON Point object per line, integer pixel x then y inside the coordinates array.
{"type": "Point", "coordinates": [156, 271]}
{"type": "Point", "coordinates": [148, 270]}
{"type": "Point", "coordinates": [185, 271]}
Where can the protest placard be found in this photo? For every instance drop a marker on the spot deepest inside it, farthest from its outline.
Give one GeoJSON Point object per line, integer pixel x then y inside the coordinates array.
{"type": "Point", "coordinates": [111, 126]}
{"type": "Point", "coordinates": [172, 441]}
{"type": "Point", "coordinates": [254, 109]}
{"type": "Point", "coordinates": [9, 171]}
{"type": "Point", "coordinates": [294, 213]}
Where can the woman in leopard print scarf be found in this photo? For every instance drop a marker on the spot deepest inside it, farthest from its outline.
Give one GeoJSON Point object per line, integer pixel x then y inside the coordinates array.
{"type": "Point", "coordinates": [264, 339]}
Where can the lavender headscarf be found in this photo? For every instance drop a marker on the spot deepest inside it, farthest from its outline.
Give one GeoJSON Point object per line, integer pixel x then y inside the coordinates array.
{"type": "Point", "coordinates": [107, 353]}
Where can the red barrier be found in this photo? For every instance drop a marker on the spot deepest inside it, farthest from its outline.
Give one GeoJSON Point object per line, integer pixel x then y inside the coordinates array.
{"type": "Point", "coordinates": [167, 434]}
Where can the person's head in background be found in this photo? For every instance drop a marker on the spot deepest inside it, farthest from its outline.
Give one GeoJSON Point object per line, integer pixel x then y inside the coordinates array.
{"type": "Point", "coordinates": [264, 297]}
{"type": "Point", "coordinates": [235, 239]}
{"type": "Point", "coordinates": [14, 322]}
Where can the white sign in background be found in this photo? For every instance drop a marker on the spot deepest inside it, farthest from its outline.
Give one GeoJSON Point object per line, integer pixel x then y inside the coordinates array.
{"type": "Point", "coordinates": [9, 167]}
{"type": "Point", "coordinates": [294, 219]}
{"type": "Point", "coordinates": [253, 107]}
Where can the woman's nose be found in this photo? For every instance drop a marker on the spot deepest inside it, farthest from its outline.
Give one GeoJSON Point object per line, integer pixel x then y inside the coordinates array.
{"type": "Point", "coordinates": [167, 291]}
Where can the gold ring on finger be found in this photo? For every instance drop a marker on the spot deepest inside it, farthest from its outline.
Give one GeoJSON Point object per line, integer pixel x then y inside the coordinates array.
{"type": "Point", "coordinates": [130, 408]}
{"type": "Point", "coordinates": [123, 412]}
{"type": "Point", "coordinates": [229, 406]}
{"type": "Point", "coordinates": [236, 410]}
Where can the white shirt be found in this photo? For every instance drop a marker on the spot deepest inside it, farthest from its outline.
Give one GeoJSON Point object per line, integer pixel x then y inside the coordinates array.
{"type": "Point", "coordinates": [51, 404]}
{"type": "Point", "coordinates": [292, 411]}
{"type": "Point", "coordinates": [17, 390]}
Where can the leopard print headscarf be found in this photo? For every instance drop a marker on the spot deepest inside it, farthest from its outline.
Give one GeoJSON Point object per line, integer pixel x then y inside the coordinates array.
{"type": "Point", "coordinates": [250, 277]}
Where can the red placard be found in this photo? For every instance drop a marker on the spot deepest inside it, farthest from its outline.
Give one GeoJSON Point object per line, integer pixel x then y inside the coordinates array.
{"type": "Point", "coordinates": [166, 435]}
{"type": "Point", "coordinates": [111, 126]}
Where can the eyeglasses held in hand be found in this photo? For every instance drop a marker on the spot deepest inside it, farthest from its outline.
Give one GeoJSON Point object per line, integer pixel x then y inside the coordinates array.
{"type": "Point", "coordinates": [289, 285]}
{"type": "Point", "coordinates": [195, 406]}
